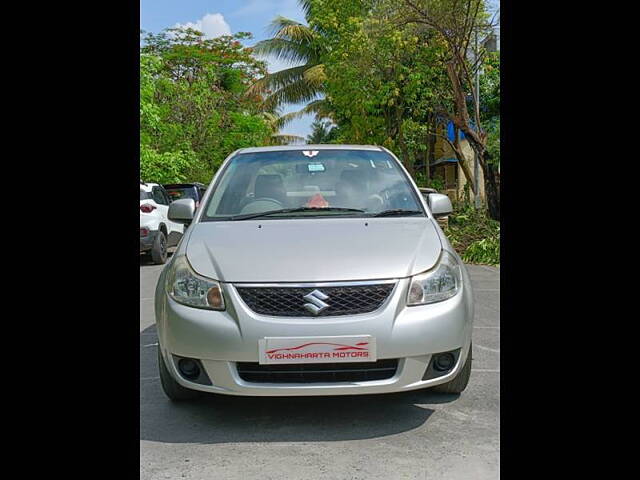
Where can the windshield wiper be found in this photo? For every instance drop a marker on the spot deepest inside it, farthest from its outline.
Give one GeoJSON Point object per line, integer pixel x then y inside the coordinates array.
{"type": "Point", "coordinates": [247, 216]}
{"type": "Point", "coordinates": [397, 212]}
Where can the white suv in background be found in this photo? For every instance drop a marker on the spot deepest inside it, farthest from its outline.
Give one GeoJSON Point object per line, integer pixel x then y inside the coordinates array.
{"type": "Point", "coordinates": [157, 232]}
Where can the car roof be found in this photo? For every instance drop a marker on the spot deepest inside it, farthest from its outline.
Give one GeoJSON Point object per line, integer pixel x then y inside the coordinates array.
{"type": "Point", "coordinates": [147, 186]}
{"type": "Point", "coordinates": [178, 185]}
{"type": "Point", "coordinates": [310, 147]}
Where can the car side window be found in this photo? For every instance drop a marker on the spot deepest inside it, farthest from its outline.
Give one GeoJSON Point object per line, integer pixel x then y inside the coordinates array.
{"type": "Point", "coordinates": [167, 198]}
{"type": "Point", "coordinates": [158, 196]}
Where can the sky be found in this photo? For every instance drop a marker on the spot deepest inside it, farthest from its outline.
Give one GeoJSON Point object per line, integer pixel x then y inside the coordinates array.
{"type": "Point", "coordinates": [223, 17]}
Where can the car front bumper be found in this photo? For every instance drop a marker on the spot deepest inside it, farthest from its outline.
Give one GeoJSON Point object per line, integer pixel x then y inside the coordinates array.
{"type": "Point", "coordinates": [220, 339]}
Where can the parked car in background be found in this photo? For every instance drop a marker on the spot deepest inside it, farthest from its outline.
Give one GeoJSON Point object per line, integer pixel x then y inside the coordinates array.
{"type": "Point", "coordinates": [313, 270]}
{"type": "Point", "coordinates": [179, 191]}
{"type": "Point", "coordinates": [157, 232]}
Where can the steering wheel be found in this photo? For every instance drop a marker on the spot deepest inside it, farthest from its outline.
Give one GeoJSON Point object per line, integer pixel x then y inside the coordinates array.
{"type": "Point", "coordinates": [374, 203]}
{"type": "Point", "coordinates": [395, 197]}
{"type": "Point", "coordinates": [261, 205]}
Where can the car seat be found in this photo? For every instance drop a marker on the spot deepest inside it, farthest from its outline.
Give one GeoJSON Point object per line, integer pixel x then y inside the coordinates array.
{"type": "Point", "coordinates": [270, 186]}
{"type": "Point", "coordinates": [351, 189]}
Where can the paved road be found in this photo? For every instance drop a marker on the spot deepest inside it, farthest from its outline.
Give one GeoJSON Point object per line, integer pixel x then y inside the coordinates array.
{"type": "Point", "coordinates": [413, 435]}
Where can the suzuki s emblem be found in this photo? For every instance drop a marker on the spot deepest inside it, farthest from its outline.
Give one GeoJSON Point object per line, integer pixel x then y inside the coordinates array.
{"type": "Point", "coordinates": [316, 304]}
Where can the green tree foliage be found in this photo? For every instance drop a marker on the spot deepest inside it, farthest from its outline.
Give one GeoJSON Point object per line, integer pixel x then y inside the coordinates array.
{"type": "Point", "coordinates": [193, 107]}
{"type": "Point", "coordinates": [490, 104]}
{"type": "Point", "coordinates": [396, 69]}
{"type": "Point", "coordinates": [490, 87]}
{"type": "Point", "coordinates": [493, 140]}
{"type": "Point", "coordinates": [303, 47]}
{"type": "Point", "coordinates": [474, 235]}
{"type": "Point", "coordinates": [322, 132]}
{"type": "Point", "coordinates": [295, 43]}
{"type": "Point", "coordinates": [167, 167]}
{"type": "Point", "coordinates": [381, 81]}
{"type": "Point", "coordinates": [458, 24]}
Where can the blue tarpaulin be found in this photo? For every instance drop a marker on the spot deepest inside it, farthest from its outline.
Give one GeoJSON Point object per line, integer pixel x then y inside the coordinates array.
{"type": "Point", "coordinates": [450, 131]}
{"type": "Point", "coordinates": [444, 160]}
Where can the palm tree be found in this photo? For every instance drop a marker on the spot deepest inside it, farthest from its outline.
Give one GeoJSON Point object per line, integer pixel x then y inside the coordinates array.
{"type": "Point", "coordinates": [298, 44]}
{"type": "Point", "coordinates": [274, 121]}
{"type": "Point", "coordinates": [321, 132]}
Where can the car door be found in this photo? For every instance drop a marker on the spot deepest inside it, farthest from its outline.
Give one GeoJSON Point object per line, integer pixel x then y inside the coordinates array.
{"type": "Point", "coordinates": [201, 191]}
{"type": "Point", "coordinates": [162, 204]}
{"type": "Point", "coordinates": [174, 229]}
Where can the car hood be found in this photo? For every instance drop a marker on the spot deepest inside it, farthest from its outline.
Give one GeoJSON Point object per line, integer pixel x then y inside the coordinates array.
{"type": "Point", "coordinates": [313, 250]}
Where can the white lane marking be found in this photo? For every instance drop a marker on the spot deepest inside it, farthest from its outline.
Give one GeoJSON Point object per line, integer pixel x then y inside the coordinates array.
{"type": "Point", "coordinates": [486, 348]}
{"type": "Point", "coordinates": [484, 370]}
{"type": "Point", "coordinates": [146, 298]}
{"type": "Point", "coordinates": [148, 378]}
{"type": "Point", "coordinates": [151, 345]}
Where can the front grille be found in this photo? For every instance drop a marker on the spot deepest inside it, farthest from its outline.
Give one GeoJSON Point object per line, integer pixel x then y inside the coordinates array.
{"type": "Point", "coordinates": [317, 372]}
{"type": "Point", "coordinates": [288, 301]}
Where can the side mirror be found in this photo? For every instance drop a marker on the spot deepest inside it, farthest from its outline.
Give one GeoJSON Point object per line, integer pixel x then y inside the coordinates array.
{"type": "Point", "coordinates": [182, 210]}
{"type": "Point", "coordinates": [440, 205]}
{"type": "Point", "coordinates": [426, 192]}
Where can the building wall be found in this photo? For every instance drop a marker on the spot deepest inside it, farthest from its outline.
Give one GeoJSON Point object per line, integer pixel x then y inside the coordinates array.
{"type": "Point", "coordinates": [462, 180]}
{"type": "Point", "coordinates": [443, 149]}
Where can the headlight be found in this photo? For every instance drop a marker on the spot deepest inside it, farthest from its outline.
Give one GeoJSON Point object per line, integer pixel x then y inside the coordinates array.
{"type": "Point", "coordinates": [187, 287]}
{"type": "Point", "coordinates": [438, 284]}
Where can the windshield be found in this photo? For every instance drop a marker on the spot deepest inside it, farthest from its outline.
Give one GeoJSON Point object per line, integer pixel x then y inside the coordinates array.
{"type": "Point", "coordinates": [176, 193]}
{"type": "Point", "coordinates": [145, 195]}
{"type": "Point", "coordinates": [311, 183]}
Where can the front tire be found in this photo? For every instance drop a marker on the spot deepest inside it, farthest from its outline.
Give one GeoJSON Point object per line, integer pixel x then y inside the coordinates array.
{"type": "Point", "coordinates": [460, 382]}
{"type": "Point", "coordinates": [172, 389]}
{"type": "Point", "coordinates": [159, 249]}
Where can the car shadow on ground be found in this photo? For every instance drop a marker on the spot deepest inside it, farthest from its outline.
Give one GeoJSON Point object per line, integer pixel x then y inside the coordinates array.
{"type": "Point", "coordinates": [145, 260]}
{"type": "Point", "coordinates": [229, 419]}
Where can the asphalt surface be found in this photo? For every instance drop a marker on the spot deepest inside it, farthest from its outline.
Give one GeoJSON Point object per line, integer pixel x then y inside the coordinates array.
{"type": "Point", "coordinates": [412, 435]}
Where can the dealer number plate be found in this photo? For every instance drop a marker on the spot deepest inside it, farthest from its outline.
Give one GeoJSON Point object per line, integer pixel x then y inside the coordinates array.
{"type": "Point", "coordinates": [338, 349]}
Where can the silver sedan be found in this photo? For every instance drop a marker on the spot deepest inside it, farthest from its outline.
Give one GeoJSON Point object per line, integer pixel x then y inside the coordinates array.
{"type": "Point", "coordinates": [313, 270]}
